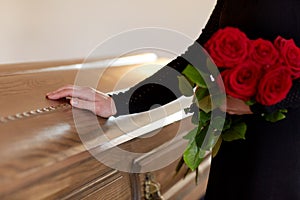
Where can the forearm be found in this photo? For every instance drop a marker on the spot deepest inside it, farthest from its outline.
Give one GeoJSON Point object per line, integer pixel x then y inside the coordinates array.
{"type": "Point", "coordinates": [162, 87]}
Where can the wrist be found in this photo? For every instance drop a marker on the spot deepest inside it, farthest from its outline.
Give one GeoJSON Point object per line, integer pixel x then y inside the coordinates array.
{"type": "Point", "coordinates": [112, 106]}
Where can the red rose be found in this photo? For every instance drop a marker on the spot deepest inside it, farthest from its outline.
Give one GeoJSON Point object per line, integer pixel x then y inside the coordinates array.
{"type": "Point", "coordinates": [290, 54]}
{"type": "Point", "coordinates": [274, 85]}
{"type": "Point", "coordinates": [228, 47]}
{"type": "Point", "coordinates": [241, 81]}
{"type": "Point", "coordinates": [264, 52]}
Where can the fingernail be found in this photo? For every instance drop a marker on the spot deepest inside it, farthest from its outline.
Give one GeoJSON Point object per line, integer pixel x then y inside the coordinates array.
{"type": "Point", "coordinates": [50, 93]}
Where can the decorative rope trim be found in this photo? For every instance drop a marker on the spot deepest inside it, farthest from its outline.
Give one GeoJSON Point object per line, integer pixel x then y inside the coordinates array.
{"type": "Point", "coordinates": [32, 113]}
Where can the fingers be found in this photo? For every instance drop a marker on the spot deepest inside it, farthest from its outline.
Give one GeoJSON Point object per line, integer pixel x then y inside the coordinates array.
{"type": "Point", "coordinates": [60, 89]}
{"type": "Point", "coordinates": [223, 107]}
{"type": "Point", "coordinates": [60, 94]}
{"type": "Point", "coordinates": [86, 98]}
{"type": "Point", "coordinates": [235, 106]}
{"type": "Point", "coordinates": [83, 104]}
{"type": "Point", "coordinates": [84, 93]}
{"type": "Point", "coordinates": [98, 108]}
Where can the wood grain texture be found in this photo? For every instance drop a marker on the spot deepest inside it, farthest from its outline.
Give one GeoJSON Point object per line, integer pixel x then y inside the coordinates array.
{"type": "Point", "coordinates": [44, 156]}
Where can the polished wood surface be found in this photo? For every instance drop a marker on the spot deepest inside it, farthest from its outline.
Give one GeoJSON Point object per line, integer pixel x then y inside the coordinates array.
{"type": "Point", "coordinates": [42, 152]}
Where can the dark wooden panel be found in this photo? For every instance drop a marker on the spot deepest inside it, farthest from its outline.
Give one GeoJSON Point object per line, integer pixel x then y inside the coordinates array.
{"type": "Point", "coordinates": [118, 188]}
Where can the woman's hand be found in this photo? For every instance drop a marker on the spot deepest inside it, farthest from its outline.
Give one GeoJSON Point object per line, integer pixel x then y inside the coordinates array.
{"type": "Point", "coordinates": [236, 106]}
{"type": "Point", "coordinates": [86, 98]}
{"type": "Point", "coordinates": [103, 105]}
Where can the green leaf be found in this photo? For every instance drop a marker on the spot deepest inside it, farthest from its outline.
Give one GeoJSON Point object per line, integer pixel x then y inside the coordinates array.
{"type": "Point", "coordinates": [227, 123]}
{"type": "Point", "coordinates": [185, 87]}
{"type": "Point", "coordinates": [195, 118]}
{"type": "Point", "coordinates": [201, 92]}
{"type": "Point", "coordinates": [193, 74]}
{"type": "Point", "coordinates": [218, 100]}
{"type": "Point", "coordinates": [218, 123]}
{"type": "Point", "coordinates": [193, 156]}
{"type": "Point", "coordinates": [191, 135]}
{"type": "Point", "coordinates": [201, 134]}
{"type": "Point", "coordinates": [250, 102]}
{"type": "Point", "coordinates": [236, 132]}
{"type": "Point", "coordinates": [210, 140]}
{"type": "Point", "coordinates": [217, 146]}
{"type": "Point", "coordinates": [204, 117]}
{"type": "Point", "coordinates": [275, 116]}
{"type": "Point", "coordinates": [205, 104]}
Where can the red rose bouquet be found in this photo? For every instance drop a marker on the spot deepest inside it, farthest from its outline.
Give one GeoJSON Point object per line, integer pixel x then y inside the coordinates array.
{"type": "Point", "coordinates": [255, 71]}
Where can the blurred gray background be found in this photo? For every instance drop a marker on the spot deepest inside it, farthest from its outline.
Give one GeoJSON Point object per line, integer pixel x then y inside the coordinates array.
{"type": "Point", "coordinates": [46, 30]}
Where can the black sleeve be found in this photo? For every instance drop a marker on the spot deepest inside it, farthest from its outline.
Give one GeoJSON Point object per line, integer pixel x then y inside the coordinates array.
{"type": "Point", "coordinates": [162, 87]}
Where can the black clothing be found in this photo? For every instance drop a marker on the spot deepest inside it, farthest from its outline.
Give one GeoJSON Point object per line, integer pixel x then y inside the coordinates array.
{"type": "Point", "coordinates": [267, 164]}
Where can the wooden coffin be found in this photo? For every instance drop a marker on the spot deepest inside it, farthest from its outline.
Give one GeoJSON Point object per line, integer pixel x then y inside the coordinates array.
{"type": "Point", "coordinates": [50, 151]}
